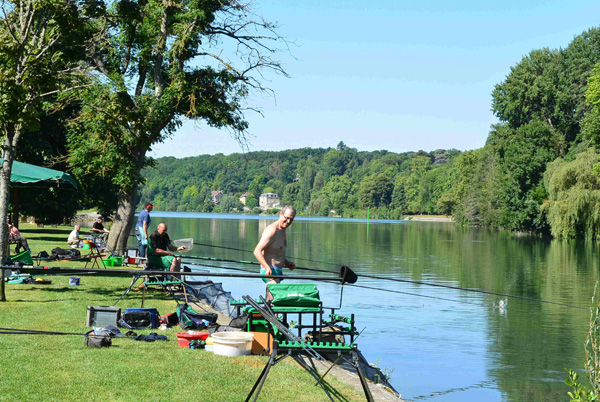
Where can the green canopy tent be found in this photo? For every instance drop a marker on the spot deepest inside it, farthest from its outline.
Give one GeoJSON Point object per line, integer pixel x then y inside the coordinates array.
{"type": "Point", "coordinates": [24, 175]}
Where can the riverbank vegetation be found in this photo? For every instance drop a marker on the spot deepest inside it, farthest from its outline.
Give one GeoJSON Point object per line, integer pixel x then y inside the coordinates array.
{"type": "Point", "coordinates": [60, 367]}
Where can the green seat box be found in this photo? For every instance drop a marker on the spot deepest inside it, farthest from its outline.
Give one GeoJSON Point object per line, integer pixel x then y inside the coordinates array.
{"type": "Point", "coordinates": [294, 295]}
{"type": "Point", "coordinates": [24, 257]}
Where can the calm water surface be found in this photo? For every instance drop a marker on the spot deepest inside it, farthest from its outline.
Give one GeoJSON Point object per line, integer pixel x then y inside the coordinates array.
{"type": "Point", "coordinates": [437, 344]}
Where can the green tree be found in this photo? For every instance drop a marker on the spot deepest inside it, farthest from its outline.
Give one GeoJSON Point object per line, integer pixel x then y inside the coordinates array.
{"type": "Point", "coordinates": [591, 123]}
{"type": "Point", "coordinates": [375, 191]}
{"type": "Point", "coordinates": [337, 191]}
{"type": "Point", "coordinates": [161, 62]}
{"type": "Point", "coordinates": [573, 206]}
{"type": "Point", "coordinates": [291, 193]}
{"type": "Point", "coordinates": [229, 203]}
{"type": "Point", "coordinates": [257, 184]}
{"type": "Point", "coordinates": [39, 57]}
{"type": "Point", "coordinates": [251, 202]}
{"type": "Point", "coordinates": [416, 189]}
{"type": "Point", "coordinates": [530, 90]}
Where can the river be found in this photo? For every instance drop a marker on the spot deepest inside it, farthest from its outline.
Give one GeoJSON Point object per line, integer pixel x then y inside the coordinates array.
{"type": "Point", "coordinates": [436, 344]}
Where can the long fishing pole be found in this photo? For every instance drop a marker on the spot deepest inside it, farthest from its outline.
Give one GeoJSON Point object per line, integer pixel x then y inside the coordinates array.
{"type": "Point", "coordinates": [16, 331]}
{"type": "Point", "coordinates": [470, 290]}
{"type": "Point", "coordinates": [411, 294]}
{"type": "Point", "coordinates": [387, 290]}
{"type": "Point", "coordinates": [385, 278]}
{"type": "Point", "coordinates": [129, 272]}
{"type": "Point", "coordinates": [196, 257]}
{"type": "Point", "coordinates": [251, 251]}
{"type": "Point", "coordinates": [358, 286]}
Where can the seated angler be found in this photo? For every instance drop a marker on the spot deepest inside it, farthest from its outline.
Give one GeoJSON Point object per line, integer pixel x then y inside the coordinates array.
{"type": "Point", "coordinates": [99, 229]}
{"type": "Point", "coordinates": [160, 250]}
{"type": "Point", "coordinates": [14, 236]}
{"type": "Point", "coordinates": [74, 238]}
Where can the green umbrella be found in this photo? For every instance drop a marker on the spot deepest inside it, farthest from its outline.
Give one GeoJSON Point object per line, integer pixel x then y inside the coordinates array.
{"type": "Point", "coordinates": [26, 175]}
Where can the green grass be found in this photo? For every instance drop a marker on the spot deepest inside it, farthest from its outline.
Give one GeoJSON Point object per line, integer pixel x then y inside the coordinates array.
{"type": "Point", "coordinates": [44, 367]}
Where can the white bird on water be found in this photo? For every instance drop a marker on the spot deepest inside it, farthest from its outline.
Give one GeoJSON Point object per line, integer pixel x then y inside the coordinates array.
{"type": "Point", "coordinates": [502, 304]}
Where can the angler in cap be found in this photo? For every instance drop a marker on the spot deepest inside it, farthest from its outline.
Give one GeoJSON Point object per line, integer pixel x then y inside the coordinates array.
{"type": "Point", "coordinates": [141, 228]}
{"type": "Point", "coordinates": [270, 250]}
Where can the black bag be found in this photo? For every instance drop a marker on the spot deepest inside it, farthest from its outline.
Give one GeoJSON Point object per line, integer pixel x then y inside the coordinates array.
{"type": "Point", "coordinates": [61, 254]}
{"type": "Point", "coordinates": [42, 254]}
{"type": "Point", "coordinates": [169, 319]}
{"type": "Point", "coordinates": [240, 322]}
{"type": "Point", "coordinates": [140, 318]}
{"type": "Point", "coordinates": [189, 319]}
{"type": "Point", "coordinates": [97, 341]}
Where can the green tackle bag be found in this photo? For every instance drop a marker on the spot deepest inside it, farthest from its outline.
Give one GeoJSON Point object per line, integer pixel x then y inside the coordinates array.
{"type": "Point", "coordinates": [294, 295]}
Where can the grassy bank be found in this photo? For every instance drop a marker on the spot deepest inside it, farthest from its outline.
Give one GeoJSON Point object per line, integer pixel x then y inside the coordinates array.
{"type": "Point", "coordinates": [43, 367]}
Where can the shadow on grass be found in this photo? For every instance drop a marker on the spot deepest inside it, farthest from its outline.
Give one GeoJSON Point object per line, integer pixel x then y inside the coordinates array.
{"type": "Point", "coordinates": [47, 231]}
{"type": "Point", "coordinates": [51, 239]}
{"type": "Point", "coordinates": [41, 301]}
{"type": "Point", "coordinates": [48, 289]}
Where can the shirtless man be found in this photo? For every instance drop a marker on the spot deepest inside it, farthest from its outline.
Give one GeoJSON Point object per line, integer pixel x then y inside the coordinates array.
{"type": "Point", "coordinates": [270, 250]}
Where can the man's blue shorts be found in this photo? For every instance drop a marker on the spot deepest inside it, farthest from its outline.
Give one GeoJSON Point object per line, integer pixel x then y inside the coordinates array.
{"type": "Point", "coordinates": [274, 271]}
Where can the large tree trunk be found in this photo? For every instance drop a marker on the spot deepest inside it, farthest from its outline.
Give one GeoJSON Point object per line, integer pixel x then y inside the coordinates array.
{"type": "Point", "coordinates": [123, 220]}
{"type": "Point", "coordinates": [9, 145]}
{"type": "Point", "coordinates": [121, 227]}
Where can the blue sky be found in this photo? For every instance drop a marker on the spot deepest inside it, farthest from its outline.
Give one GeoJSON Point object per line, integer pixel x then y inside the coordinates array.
{"type": "Point", "coordinates": [395, 75]}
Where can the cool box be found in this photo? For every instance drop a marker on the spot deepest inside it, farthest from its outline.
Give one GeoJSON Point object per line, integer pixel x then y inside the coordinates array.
{"type": "Point", "coordinates": [101, 316]}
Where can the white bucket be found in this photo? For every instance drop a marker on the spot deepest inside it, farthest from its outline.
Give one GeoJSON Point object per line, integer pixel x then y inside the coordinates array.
{"type": "Point", "coordinates": [232, 343]}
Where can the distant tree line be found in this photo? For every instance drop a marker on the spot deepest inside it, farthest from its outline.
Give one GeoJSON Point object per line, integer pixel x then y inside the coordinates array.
{"type": "Point", "coordinates": [337, 181]}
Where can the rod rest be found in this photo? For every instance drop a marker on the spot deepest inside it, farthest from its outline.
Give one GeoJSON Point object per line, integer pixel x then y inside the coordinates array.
{"type": "Point", "coordinates": [314, 345]}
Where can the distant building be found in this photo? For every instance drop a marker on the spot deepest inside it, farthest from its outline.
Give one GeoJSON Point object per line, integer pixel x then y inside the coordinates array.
{"type": "Point", "coordinates": [216, 196]}
{"type": "Point", "coordinates": [268, 200]}
{"type": "Point", "coordinates": [243, 198]}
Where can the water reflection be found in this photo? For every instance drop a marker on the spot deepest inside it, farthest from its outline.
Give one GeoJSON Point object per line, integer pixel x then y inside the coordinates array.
{"type": "Point", "coordinates": [463, 346]}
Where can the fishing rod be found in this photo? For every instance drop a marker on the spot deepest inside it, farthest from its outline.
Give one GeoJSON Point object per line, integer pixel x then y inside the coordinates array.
{"type": "Point", "coordinates": [196, 257]}
{"type": "Point", "coordinates": [16, 331]}
{"type": "Point", "coordinates": [346, 273]}
{"type": "Point", "coordinates": [385, 278]}
{"type": "Point", "coordinates": [471, 290]}
{"type": "Point", "coordinates": [251, 251]}
{"type": "Point", "coordinates": [129, 272]}
{"type": "Point", "coordinates": [412, 294]}
{"type": "Point", "coordinates": [358, 286]}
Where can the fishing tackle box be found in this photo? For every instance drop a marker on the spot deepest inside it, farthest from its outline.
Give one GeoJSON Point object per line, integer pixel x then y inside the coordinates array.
{"type": "Point", "coordinates": [101, 316]}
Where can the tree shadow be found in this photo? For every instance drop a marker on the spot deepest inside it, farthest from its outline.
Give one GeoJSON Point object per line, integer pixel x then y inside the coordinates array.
{"type": "Point", "coordinates": [41, 301]}
{"type": "Point", "coordinates": [48, 231]}
{"type": "Point", "coordinates": [50, 239]}
{"type": "Point", "coordinates": [48, 289]}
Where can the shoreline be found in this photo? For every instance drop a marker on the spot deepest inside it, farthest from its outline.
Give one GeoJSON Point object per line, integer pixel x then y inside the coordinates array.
{"type": "Point", "coordinates": [428, 218]}
{"type": "Point", "coordinates": [84, 217]}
